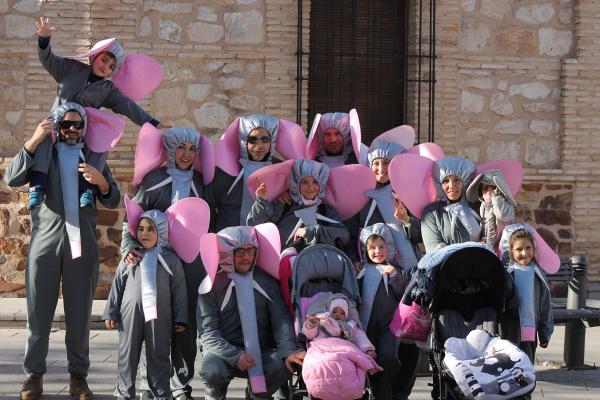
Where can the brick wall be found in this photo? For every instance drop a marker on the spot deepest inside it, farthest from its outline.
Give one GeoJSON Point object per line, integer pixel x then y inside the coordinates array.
{"type": "Point", "coordinates": [515, 79]}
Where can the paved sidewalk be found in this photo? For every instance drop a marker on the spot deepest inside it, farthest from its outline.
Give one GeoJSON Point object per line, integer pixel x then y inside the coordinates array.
{"type": "Point", "coordinates": [553, 381]}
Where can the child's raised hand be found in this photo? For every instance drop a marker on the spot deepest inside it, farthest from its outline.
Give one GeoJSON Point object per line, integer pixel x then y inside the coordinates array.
{"type": "Point", "coordinates": [400, 212]}
{"type": "Point", "coordinates": [261, 191]}
{"type": "Point", "coordinates": [179, 328]}
{"type": "Point", "coordinates": [44, 28]}
{"type": "Point", "coordinates": [389, 270]}
{"type": "Point", "coordinates": [111, 324]}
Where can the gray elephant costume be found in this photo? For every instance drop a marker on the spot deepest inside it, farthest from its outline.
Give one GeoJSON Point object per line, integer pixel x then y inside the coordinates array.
{"type": "Point", "coordinates": [225, 334]}
{"type": "Point", "coordinates": [322, 223]}
{"type": "Point", "coordinates": [381, 209]}
{"type": "Point", "coordinates": [78, 84]}
{"type": "Point", "coordinates": [445, 222]}
{"type": "Point", "coordinates": [227, 195]}
{"type": "Point", "coordinates": [56, 226]}
{"type": "Point", "coordinates": [158, 190]}
{"type": "Point", "coordinates": [159, 276]}
{"type": "Point", "coordinates": [380, 296]}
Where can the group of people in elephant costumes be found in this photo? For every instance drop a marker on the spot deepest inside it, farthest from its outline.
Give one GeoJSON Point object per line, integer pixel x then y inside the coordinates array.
{"type": "Point", "coordinates": [211, 237]}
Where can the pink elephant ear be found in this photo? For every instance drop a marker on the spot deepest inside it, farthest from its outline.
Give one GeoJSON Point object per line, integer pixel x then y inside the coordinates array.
{"type": "Point", "coordinates": [411, 178]}
{"type": "Point", "coordinates": [429, 150]}
{"type": "Point", "coordinates": [546, 258]}
{"type": "Point", "coordinates": [227, 149]}
{"type": "Point", "coordinates": [404, 135]}
{"type": "Point", "coordinates": [312, 145]}
{"type": "Point", "coordinates": [188, 221]}
{"type": "Point", "coordinates": [138, 76]}
{"type": "Point", "coordinates": [269, 248]}
{"type": "Point", "coordinates": [98, 48]}
{"type": "Point", "coordinates": [512, 170]}
{"type": "Point", "coordinates": [149, 152]}
{"type": "Point", "coordinates": [104, 130]}
{"type": "Point", "coordinates": [291, 141]}
{"type": "Point", "coordinates": [205, 160]}
{"type": "Point", "coordinates": [133, 211]}
{"type": "Point", "coordinates": [346, 189]}
{"type": "Point", "coordinates": [275, 176]}
{"type": "Point", "coordinates": [355, 133]}
{"type": "Point", "coordinates": [210, 259]}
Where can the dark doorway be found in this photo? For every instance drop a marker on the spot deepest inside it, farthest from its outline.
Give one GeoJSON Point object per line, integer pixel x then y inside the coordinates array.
{"type": "Point", "coordinates": [361, 56]}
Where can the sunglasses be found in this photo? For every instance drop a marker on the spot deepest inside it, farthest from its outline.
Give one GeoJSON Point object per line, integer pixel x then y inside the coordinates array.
{"type": "Point", "coordinates": [68, 124]}
{"type": "Point", "coordinates": [256, 139]}
{"type": "Point", "coordinates": [240, 252]}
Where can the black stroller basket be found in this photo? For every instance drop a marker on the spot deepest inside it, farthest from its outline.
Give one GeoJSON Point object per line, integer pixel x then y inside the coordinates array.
{"type": "Point", "coordinates": [469, 292]}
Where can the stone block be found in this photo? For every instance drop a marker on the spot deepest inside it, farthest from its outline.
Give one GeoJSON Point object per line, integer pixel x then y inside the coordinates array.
{"type": "Point", "coordinates": [204, 32]}
{"type": "Point", "coordinates": [207, 14]}
{"type": "Point", "coordinates": [245, 102]}
{"type": "Point", "coordinates": [471, 102]}
{"type": "Point", "coordinates": [539, 107]}
{"type": "Point", "coordinates": [523, 214]}
{"type": "Point", "coordinates": [468, 5]}
{"type": "Point", "coordinates": [169, 102]}
{"type": "Point", "coordinates": [109, 255]}
{"type": "Point", "coordinates": [3, 6]}
{"type": "Point", "coordinates": [198, 92]}
{"type": "Point", "coordinates": [498, 150]}
{"type": "Point", "coordinates": [565, 248]}
{"type": "Point", "coordinates": [552, 217]}
{"type": "Point", "coordinates": [561, 201]}
{"type": "Point", "coordinates": [14, 95]}
{"type": "Point", "coordinates": [169, 30]}
{"type": "Point", "coordinates": [536, 13]}
{"type": "Point", "coordinates": [28, 6]}
{"type": "Point", "coordinates": [114, 235]}
{"type": "Point", "coordinates": [145, 27]}
{"type": "Point", "coordinates": [541, 152]}
{"type": "Point", "coordinates": [470, 153]}
{"type": "Point", "coordinates": [212, 115]}
{"type": "Point", "coordinates": [532, 187]}
{"type": "Point", "coordinates": [176, 73]}
{"type": "Point", "coordinates": [495, 9]}
{"type": "Point", "coordinates": [565, 234]}
{"type": "Point", "coordinates": [231, 83]}
{"type": "Point", "coordinates": [107, 217]}
{"type": "Point", "coordinates": [475, 35]}
{"type": "Point", "coordinates": [13, 117]}
{"type": "Point", "coordinates": [554, 42]}
{"type": "Point", "coordinates": [245, 27]}
{"type": "Point", "coordinates": [530, 90]}
{"type": "Point", "coordinates": [544, 127]}
{"type": "Point", "coordinates": [513, 127]}
{"type": "Point", "coordinates": [480, 83]}
{"type": "Point", "coordinates": [4, 221]}
{"type": "Point", "coordinates": [500, 104]}
{"type": "Point", "coordinates": [548, 237]}
{"type": "Point", "coordinates": [168, 7]}
{"type": "Point", "coordinates": [516, 40]}
{"type": "Point", "coordinates": [19, 26]}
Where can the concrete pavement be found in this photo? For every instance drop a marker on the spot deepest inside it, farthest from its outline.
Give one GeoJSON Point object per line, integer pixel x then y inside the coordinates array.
{"type": "Point", "coordinates": [553, 382]}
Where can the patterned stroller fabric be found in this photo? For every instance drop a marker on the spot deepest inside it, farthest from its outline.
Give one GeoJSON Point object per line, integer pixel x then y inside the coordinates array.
{"type": "Point", "coordinates": [487, 367]}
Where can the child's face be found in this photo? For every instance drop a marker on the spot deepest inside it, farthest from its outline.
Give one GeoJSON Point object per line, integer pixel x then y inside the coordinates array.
{"type": "Point", "coordinates": [104, 65]}
{"type": "Point", "coordinates": [522, 251]}
{"type": "Point", "coordinates": [487, 192]}
{"type": "Point", "coordinates": [377, 251]}
{"type": "Point", "coordinates": [338, 314]}
{"type": "Point", "coordinates": [147, 234]}
{"type": "Point", "coordinates": [309, 188]}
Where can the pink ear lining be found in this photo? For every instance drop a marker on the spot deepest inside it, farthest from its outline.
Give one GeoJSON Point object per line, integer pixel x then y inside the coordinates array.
{"type": "Point", "coordinates": [269, 248]}
{"type": "Point", "coordinates": [355, 133]}
{"type": "Point", "coordinates": [512, 170]}
{"type": "Point", "coordinates": [133, 211]}
{"type": "Point", "coordinates": [188, 221]}
{"type": "Point", "coordinates": [346, 189]}
{"type": "Point", "coordinates": [149, 152]}
{"type": "Point", "coordinates": [227, 150]}
{"type": "Point", "coordinates": [408, 172]}
{"type": "Point", "coordinates": [205, 160]}
{"type": "Point", "coordinates": [210, 259]}
{"type": "Point", "coordinates": [276, 177]}
{"type": "Point", "coordinates": [312, 146]}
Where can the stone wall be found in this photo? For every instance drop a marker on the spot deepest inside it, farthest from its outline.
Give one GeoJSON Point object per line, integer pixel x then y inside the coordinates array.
{"type": "Point", "coordinates": [514, 79]}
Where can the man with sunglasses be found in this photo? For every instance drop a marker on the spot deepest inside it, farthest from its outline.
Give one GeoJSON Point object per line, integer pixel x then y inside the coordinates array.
{"type": "Point", "coordinates": [63, 247]}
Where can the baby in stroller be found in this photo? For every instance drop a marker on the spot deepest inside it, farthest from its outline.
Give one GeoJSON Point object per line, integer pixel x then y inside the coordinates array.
{"type": "Point", "coordinates": [336, 323]}
{"type": "Point", "coordinates": [334, 368]}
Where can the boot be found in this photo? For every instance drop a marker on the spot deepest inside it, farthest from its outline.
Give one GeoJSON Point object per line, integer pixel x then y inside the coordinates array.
{"type": "Point", "coordinates": [32, 387]}
{"type": "Point", "coordinates": [78, 387]}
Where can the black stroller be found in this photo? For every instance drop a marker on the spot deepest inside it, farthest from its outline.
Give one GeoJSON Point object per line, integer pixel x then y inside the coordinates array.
{"type": "Point", "coordinates": [469, 292]}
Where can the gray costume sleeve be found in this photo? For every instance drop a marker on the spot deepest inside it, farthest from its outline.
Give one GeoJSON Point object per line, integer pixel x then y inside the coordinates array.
{"type": "Point", "coordinates": [210, 334]}
{"type": "Point", "coordinates": [398, 283]}
{"type": "Point", "coordinates": [283, 331]}
{"type": "Point", "coordinates": [178, 293]}
{"type": "Point", "coordinates": [263, 211]}
{"type": "Point", "coordinates": [57, 66]}
{"type": "Point", "coordinates": [432, 237]}
{"type": "Point", "coordinates": [17, 172]}
{"type": "Point", "coordinates": [503, 209]}
{"type": "Point", "coordinates": [326, 232]}
{"type": "Point", "coordinates": [546, 321]}
{"type": "Point", "coordinates": [113, 197]}
{"type": "Point", "coordinates": [112, 311]}
{"type": "Point", "coordinates": [123, 105]}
